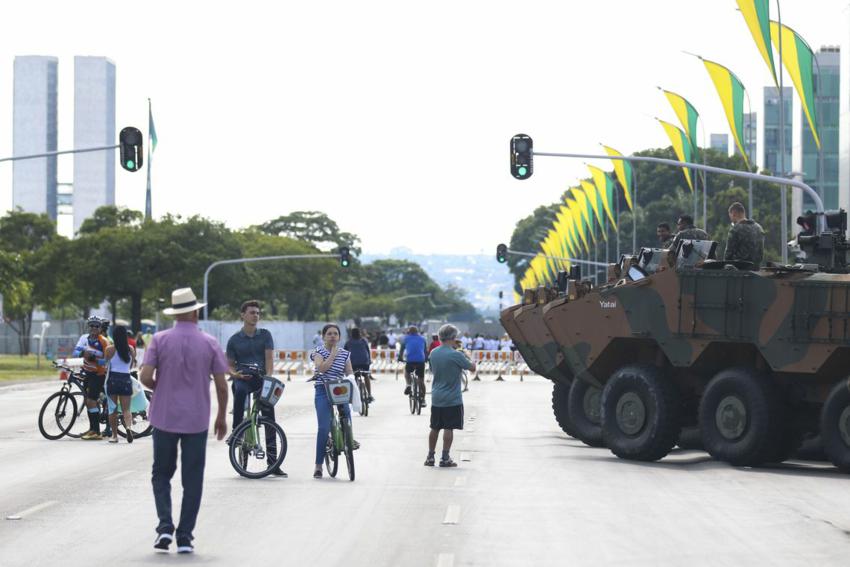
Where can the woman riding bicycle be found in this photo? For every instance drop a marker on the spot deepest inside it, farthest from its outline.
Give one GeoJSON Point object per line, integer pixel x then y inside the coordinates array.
{"type": "Point", "coordinates": [361, 358]}
{"type": "Point", "coordinates": [331, 363]}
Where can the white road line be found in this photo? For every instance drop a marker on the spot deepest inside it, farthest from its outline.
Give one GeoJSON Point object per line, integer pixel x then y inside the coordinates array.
{"type": "Point", "coordinates": [116, 476]}
{"type": "Point", "coordinates": [460, 481]}
{"type": "Point", "coordinates": [446, 560]}
{"type": "Point", "coordinates": [32, 510]}
{"type": "Point", "coordinates": [452, 514]}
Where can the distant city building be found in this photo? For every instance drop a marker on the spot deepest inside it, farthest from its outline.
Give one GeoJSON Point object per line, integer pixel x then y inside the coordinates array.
{"type": "Point", "coordinates": [34, 131]}
{"type": "Point", "coordinates": [94, 126]}
{"type": "Point", "coordinates": [827, 86]}
{"type": "Point", "coordinates": [844, 121]}
{"type": "Point", "coordinates": [771, 128]}
{"type": "Point", "coordinates": [720, 142]}
{"type": "Point", "coordinates": [749, 136]}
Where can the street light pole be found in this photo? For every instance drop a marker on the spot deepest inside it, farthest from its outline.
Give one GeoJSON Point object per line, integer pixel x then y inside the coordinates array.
{"type": "Point", "coordinates": [258, 259]}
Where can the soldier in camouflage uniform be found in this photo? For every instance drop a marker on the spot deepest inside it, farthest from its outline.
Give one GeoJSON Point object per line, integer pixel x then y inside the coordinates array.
{"type": "Point", "coordinates": [687, 230]}
{"type": "Point", "coordinates": [746, 237]}
{"type": "Point", "coordinates": [665, 237]}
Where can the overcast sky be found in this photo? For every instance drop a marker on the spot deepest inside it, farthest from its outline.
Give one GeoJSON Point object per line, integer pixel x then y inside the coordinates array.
{"type": "Point", "coordinates": [393, 118]}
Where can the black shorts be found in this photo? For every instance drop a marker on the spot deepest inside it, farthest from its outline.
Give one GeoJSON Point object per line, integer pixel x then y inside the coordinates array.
{"type": "Point", "coordinates": [119, 384]}
{"type": "Point", "coordinates": [93, 383]}
{"type": "Point", "coordinates": [447, 418]}
{"type": "Point", "coordinates": [415, 367]}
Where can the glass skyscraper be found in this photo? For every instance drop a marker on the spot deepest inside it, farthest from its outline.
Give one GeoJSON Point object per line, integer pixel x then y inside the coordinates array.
{"type": "Point", "coordinates": [34, 131]}
{"type": "Point", "coordinates": [827, 90]}
{"type": "Point", "coordinates": [720, 142]}
{"type": "Point", "coordinates": [771, 128]}
{"type": "Point", "coordinates": [749, 136]}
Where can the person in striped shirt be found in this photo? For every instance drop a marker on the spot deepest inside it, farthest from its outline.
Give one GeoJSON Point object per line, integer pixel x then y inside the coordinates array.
{"type": "Point", "coordinates": [331, 363]}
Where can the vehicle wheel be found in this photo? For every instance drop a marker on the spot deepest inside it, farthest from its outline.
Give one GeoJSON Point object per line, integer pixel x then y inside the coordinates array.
{"type": "Point", "coordinates": [249, 456]}
{"type": "Point", "coordinates": [331, 457]}
{"type": "Point", "coordinates": [348, 436]}
{"type": "Point", "coordinates": [585, 408]}
{"type": "Point", "coordinates": [640, 413]}
{"type": "Point", "coordinates": [811, 449]}
{"type": "Point", "coordinates": [561, 408]}
{"type": "Point", "coordinates": [690, 438]}
{"type": "Point", "coordinates": [57, 415]}
{"type": "Point", "coordinates": [740, 417]}
{"type": "Point", "coordinates": [835, 426]}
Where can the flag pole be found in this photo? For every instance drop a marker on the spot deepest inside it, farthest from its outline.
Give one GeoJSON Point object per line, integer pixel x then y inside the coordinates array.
{"type": "Point", "coordinates": [784, 192]}
{"type": "Point", "coordinates": [148, 190]}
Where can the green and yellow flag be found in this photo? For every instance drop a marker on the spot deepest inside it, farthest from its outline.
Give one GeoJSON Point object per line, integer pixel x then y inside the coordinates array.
{"type": "Point", "coordinates": [595, 200]}
{"type": "Point", "coordinates": [581, 211]}
{"type": "Point", "coordinates": [731, 91]}
{"type": "Point", "coordinates": [798, 58]}
{"type": "Point", "coordinates": [564, 235]}
{"type": "Point", "coordinates": [623, 170]}
{"type": "Point", "coordinates": [681, 146]}
{"type": "Point", "coordinates": [757, 15]}
{"type": "Point", "coordinates": [607, 191]}
{"type": "Point", "coordinates": [686, 113]}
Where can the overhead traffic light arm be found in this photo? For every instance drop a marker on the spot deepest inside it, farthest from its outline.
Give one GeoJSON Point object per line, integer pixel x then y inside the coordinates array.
{"type": "Point", "coordinates": [59, 153]}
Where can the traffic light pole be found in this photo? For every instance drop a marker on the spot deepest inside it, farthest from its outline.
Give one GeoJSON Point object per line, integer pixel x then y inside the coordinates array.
{"type": "Point", "coordinates": [781, 181]}
{"type": "Point", "coordinates": [52, 154]}
{"type": "Point", "coordinates": [571, 260]}
{"type": "Point", "coordinates": [257, 259]}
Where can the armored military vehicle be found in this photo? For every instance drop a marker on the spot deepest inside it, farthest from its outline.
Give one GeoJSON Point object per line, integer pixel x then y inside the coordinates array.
{"type": "Point", "coordinates": [756, 358]}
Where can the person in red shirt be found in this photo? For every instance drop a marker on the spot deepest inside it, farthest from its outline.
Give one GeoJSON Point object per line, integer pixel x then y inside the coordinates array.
{"type": "Point", "coordinates": [435, 342]}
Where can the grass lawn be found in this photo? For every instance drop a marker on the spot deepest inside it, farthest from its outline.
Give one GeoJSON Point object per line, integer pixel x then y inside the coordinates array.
{"type": "Point", "coordinates": [14, 367]}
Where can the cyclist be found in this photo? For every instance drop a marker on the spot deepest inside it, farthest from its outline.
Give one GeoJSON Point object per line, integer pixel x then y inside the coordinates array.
{"type": "Point", "coordinates": [361, 358]}
{"type": "Point", "coordinates": [95, 350]}
{"type": "Point", "coordinates": [252, 345]}
{"type": "Point", "coordinates": [331, 363]}
{"type": "Point", "coordinates": [413, 354]}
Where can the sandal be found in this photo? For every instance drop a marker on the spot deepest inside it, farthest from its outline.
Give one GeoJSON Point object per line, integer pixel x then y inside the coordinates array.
{"type": "Point", "coordinates": [429, 462]}
{"type": "Point", "coordinates": [447, 463]}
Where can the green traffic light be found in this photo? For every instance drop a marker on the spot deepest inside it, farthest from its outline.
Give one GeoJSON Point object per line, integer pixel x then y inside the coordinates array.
{"type": "Point", "coordinates": [132, 165]}
{"type": "Point", "coordinates": [522, 171]}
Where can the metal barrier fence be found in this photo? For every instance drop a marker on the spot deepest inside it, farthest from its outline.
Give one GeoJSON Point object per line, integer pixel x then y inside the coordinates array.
{"type": "Point", "coordinates": [385, 361]}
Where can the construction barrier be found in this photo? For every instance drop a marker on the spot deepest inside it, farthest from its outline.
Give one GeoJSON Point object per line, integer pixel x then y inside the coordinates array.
{"type": "Point", "coordinates": [385, 361]}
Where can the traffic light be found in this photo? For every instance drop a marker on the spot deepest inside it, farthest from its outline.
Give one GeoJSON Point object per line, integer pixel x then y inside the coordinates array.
{"type": "Point", "coordinates": [502, 253]}
{"type": "Point", "coordinates": [344, 256]}
{"type": "Point", "coordinates": [130, 141]}
{"type": "Point", "coordinates": [522, 156]}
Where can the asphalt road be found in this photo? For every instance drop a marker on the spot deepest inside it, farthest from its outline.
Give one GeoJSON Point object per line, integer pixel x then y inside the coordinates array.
{"type": "Point", "coordinates": [524, 494]}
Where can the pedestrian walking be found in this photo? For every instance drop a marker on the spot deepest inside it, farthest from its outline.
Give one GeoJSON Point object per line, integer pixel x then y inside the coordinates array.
{"type": "Point", "coordinates": [119, 385]}
{"type": "Point", "coordinates": [447, 365]}
{"type": "Point", "coordinates": [177, 368]}
{"type": "Point", "coordinates": [746, 238]}
{"type": "Point", "coordinates": [252, 345]}
{"type": "Point", "coordinates": [331, 363]}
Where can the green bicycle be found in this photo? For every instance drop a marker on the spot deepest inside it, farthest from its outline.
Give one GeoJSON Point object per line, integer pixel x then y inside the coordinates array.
{"type": "Point", "coordinates": [248, 455]}
{"type": "Point", "coordinates": [341, 436]}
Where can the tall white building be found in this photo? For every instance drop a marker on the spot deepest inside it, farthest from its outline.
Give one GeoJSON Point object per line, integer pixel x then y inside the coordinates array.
{"type": "Point", "coordinates": [94, 126]}
{"type": "Point", "coordinates": [34, 131]}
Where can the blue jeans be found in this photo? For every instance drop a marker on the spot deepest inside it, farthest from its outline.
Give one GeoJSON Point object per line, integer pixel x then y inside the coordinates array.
{"type": "Point", "coordinates": [323, 415]}
{"type": "Point", "coordinates": [193, 449]}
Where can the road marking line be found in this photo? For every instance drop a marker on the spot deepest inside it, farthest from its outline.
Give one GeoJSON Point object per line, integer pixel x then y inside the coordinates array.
{"type": "Point", "coordinates": [116, 476]}
{"type": "Point", "coordinates": [452, 514]}
{"type": "Point", "coordinates": [32, 510]}
{"type": "Point", "coordinates": [460, 481]}
{"type": "Point", "coordinates": [446, 560]}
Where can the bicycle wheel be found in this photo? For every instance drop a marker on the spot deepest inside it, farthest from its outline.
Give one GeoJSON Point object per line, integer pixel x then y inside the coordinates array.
{"type": "Point", "coordinates": [81, 424]}
{"type": "Point", "coordinates": [57, 415]}
{"type": "Point", "coordinates": [331, 457]}
{"type": "Point", "coordinates": [256, 458]}
{"type": "Point", "coordinates": [414, 395]}
{"type": "Point", "coordinates": [364, 398]}
{"type": "Point", "coordinates": [141, 426]}
{"type": "Point", "coordinates": [348, 436]}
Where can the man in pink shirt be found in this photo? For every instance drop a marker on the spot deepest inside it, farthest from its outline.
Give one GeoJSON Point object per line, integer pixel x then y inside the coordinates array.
{"type": "Point", "coordinates": [177, 367]}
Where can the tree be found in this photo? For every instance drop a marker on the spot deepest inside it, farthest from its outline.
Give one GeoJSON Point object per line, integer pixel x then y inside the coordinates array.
{"type": "Point", "coordinates": [314, 227]}
{"type": "Point", "coordinates": [110, 216]}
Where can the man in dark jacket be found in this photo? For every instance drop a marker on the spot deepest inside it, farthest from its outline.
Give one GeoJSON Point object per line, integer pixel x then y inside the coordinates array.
{"type": "Point", "coordinates": [746, 237]}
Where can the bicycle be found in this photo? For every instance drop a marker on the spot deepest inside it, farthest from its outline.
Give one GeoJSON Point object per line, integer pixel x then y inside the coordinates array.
{"type": "Point", "coordinates": [246, 449]}
{"type": "Point", "coordinates": [414, 397]}
{"type": "Point", "coordinates": [360, 376]}
{"type": "Point", "coordinates": [341, 436]}
{"type": "Point", "coordinates": [66, 407]}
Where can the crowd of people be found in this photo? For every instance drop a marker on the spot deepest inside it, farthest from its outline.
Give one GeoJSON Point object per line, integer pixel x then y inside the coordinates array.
{"type": "Point", "coordinates": [390, 339]}
{"type": "Point", "coordinates": [744, 242]}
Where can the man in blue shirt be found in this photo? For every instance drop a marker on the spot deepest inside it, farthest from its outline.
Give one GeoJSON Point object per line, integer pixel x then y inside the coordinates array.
{"type": "Point", "coordinates": [448, 365]}
{"type": "Point", "coordinates": [252, 345]}
{"type": "Point", "coordinates": [413, 353]}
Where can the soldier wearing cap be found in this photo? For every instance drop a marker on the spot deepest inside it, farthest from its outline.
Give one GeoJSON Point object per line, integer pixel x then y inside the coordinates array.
{"type": "Point", "coordinates": [746, 237]}
{"type": "Point", "coordinates": [687, 230]}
